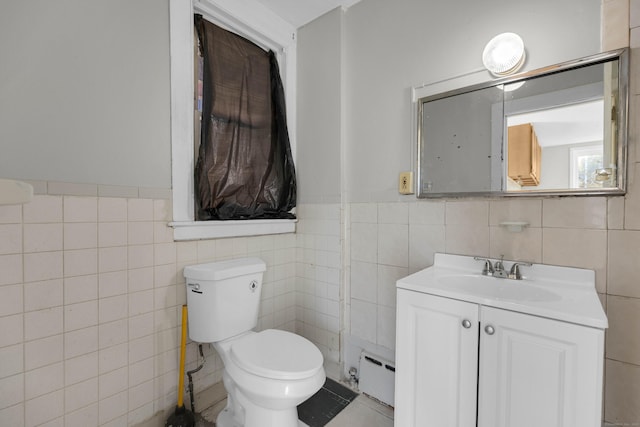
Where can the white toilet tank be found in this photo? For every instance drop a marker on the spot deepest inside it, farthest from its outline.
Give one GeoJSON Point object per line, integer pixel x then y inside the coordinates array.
{"type": "Point", "coordinates": [223, 298]}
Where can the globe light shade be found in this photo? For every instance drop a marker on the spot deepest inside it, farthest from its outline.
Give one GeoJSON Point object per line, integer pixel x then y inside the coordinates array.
{"type": "Point", "coordinates": [504, 54]}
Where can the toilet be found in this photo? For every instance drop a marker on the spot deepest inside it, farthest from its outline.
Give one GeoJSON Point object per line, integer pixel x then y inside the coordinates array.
{"type": "Point", "coordinates": [266, 374]}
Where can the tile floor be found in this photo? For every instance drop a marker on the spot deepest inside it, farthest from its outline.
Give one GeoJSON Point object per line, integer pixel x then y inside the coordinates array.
{"type": "Point", "coordinates": [362, 412]}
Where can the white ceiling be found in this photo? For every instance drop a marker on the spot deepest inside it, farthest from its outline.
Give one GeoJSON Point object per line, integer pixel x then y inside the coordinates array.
{"type": "Point", "coordinates": [301, 12]}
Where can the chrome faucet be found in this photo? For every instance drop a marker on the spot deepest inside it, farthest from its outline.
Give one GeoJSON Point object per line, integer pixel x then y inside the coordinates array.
{"type": "Point", "coordinates": [497, 269]}
{"type": "Point", "coordinates": [514, 273]}
{"type": "Point", "coordinates": [487, 270]}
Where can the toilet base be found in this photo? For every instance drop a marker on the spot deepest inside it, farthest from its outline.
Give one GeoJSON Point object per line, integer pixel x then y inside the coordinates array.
{"type": "Point", "coordinates": [260, 418]}
{"type": "Point", "coordinates": [256, 416]}
{"type": "Point", "coordinates": [225, 419]}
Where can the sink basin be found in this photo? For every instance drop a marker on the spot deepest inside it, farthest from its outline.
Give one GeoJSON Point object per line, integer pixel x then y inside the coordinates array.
{"type": "Point", "coordinates": [554, 292]}
{"type": "Point", "coordinates": [503, 289]}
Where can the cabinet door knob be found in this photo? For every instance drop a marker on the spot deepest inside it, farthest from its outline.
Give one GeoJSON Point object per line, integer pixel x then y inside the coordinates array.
{"type": "Point", "coordinates": [466, 323]}
{"type": "Point", "coordinates": [490, 330]}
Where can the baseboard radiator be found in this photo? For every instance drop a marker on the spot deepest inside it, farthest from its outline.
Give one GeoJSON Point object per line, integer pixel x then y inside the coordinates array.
{"type": "Point", "coordinates": [377, 378]}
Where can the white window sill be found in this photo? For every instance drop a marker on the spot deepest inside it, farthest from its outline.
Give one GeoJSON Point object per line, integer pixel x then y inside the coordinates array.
{"type": "Point", "coordinates": [195, 230]}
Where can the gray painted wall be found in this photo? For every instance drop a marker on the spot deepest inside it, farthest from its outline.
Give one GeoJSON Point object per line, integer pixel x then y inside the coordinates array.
{"type": "Point", "coordinates": [394, 45]}
{"type": "Point", "coordinates": [84, 91]}
{"type": "Point", "coordinates": [319, 99]}
{"type": "Point", "coordinates": [95, 109]}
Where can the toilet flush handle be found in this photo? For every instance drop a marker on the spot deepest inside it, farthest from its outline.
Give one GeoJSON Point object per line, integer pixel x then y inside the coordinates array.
{"type": "Point", "coordinates": [195, 287]}
{"type": "Point", "coordinates": [253, 285]}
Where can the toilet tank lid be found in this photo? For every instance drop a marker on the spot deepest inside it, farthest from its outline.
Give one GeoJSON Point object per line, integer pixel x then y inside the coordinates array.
{"type": "Point", "coordinates": [221, 270]}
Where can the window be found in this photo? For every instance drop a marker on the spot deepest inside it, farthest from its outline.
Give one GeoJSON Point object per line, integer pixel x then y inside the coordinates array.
{"type": "Point", "coordinates": [266, 30]}
{"type": "Point", "coordinates": [244, 167]}
{"type": "Point", "coordinates": [584, 163]}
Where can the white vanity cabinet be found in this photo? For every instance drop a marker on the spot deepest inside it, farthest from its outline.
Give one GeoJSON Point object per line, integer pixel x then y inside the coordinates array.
{"type": "Point", "coordinates": [477, 360]}
{"type": "Point", "coordinates": [436, 361]}
{"type": "Point", "coordinates": [538, 372]}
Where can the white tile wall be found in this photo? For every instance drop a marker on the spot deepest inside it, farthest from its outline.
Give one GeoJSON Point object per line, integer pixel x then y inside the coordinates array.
{"type": "Point", "coordinates": [576, 212]}
{"type": "Point", "coordinates": [526, 245]}
{"type": "Point", "coordinates": [364, 242]}
{"type": "Point", "coordinates": [529, 211]}
{"type": "Point", "coordinates": [318, 273]}
{"type": "Point", "coordinates": [472, 228]}
{"type": "Point", "coordinates": [622, 389]}
{"type": "Point", "coordinates": [89, 307]}
{"type": "Point", "coordinates": [586, 248]}
{"type": "Point", "coordinates": [393, 244]}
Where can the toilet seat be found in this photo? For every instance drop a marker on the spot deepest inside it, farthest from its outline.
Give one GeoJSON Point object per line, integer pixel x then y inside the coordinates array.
{"type": "Point", "coordinates": [277, 354]}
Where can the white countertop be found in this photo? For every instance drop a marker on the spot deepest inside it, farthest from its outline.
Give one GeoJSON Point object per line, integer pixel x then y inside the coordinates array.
{"type": "Point", "coordinates": [562, 293]}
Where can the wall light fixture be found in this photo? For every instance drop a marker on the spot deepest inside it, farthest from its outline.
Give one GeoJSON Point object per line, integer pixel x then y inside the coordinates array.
{"type": "Point", "coordinates": [504, 54]}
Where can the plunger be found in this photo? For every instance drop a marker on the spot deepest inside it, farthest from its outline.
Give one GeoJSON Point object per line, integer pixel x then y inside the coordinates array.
{"type": "Point", "coordinates": [182, 417]}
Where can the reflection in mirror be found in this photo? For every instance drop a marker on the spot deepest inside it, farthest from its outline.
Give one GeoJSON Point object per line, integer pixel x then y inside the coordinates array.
{"type": "Point", "coordinates": [559, 130]}
{"type": "Point", "coordinates": [460, 156]}
{"type": "Point", "coordinates": [555, 131]}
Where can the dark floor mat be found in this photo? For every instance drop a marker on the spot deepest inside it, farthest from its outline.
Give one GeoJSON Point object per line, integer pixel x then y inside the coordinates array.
{"type": "Point", "coordinates": [320, 408]}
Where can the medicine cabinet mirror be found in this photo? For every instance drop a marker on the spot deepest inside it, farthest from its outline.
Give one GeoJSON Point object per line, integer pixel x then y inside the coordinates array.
{"type": "Point", "coordinates": [559, 130]}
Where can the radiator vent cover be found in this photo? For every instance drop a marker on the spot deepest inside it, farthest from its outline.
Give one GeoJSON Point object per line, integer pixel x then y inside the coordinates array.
{"type": "Point", "coordinates": [377, 377]}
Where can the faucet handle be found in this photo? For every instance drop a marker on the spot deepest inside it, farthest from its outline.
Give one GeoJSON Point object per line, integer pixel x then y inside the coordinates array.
{"type": "Point", "coordinates": [498, 269]}
{"type": "Point", "coordinates": [488, 268]}
{"type": "Point", "coordinates": [515, 270]}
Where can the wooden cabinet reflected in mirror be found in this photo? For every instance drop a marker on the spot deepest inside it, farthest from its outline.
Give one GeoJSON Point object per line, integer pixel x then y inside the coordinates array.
{"type": "Point", "coordinates": [524, 155]}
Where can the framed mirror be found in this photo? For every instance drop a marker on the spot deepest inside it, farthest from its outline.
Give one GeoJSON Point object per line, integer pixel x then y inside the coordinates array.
{"type": "Point", "coordinates": [559, 130]}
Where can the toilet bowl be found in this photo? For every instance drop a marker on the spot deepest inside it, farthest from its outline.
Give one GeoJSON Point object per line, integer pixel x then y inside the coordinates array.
{"type": "Point", "coordinates": [266, 374]}
{"type": "Point", "coordinates": [271, 373]}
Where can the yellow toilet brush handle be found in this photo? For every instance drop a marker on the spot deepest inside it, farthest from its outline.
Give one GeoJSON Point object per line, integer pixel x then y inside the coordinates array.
{"type": "Point", "coordinates": [183, 345]}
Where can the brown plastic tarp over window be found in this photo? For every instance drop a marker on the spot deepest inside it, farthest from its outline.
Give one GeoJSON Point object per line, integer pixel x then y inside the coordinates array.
{"type": "Point", "coordinates": [245, 168]}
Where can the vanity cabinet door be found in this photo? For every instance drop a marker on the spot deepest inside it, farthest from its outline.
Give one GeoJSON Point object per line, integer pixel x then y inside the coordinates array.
{"type": "Point", "coordinates": [538, 372]}
{"type": "Point", "coordinates": [436, 361]}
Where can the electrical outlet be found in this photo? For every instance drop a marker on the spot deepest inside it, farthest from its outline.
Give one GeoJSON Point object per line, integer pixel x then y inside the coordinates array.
{"type": "Point", "coordinates": [405, 183]}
